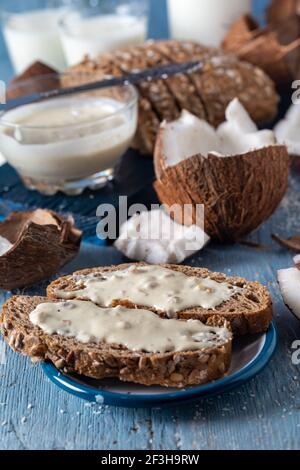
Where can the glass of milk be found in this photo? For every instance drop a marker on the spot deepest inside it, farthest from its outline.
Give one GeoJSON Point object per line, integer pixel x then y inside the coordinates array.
{"type": "Point", "coordinates": [31, 33]}
{"type": "Point", "coordinates": [68, 143]}
{"type": "Point", "coordinates": [204, 21]}
{"type": "Point", "coordinates": [102, 27]}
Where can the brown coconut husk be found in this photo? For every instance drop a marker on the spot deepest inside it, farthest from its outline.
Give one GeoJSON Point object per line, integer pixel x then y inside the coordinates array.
{"type": "Point", "coordinates": [242, 31]}
{"type": "Point", "coordinates": [43, 242]}
{"type": "Point", "coordinates": [21, 85]}
{"type": "Point", "coordinates": [275, 49]}
{"type": "Point", "coordinates": [266, 52]}
{"type": "Point", "coordinates": [292, 243]}
{"type": "Point", "coordinates": [238, 192]}
{"type": "Point", "coordinates": [280, 10]}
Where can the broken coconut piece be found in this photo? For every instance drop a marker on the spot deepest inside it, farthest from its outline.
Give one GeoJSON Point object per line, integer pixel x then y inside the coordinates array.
{"type": "Point", "coordinates": [287, 130]}
{"type": "Point", "coordinates": [292, 243]}
{"type": "Point", "coordinates": [38, 244]}
{"type": "Point", "coordinates": [289, 284]}
{"type": "Point", "coordinates": [188, 136]}
{"type": "Point", "coordinates": [241, 32]}
{"type": "Point", "coordinates": [155, 238]}
{"type": "Point", "coordinates": [24, 84]}
{"type": "Point", "coordinates": [274, 50]}
{"type": "Point", "coordinates": [239, 173]}
{"type": "Point", "coordinates": [280, 10]}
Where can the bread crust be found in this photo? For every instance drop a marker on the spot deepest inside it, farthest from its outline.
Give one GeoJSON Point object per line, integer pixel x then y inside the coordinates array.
{"type": "Point", "coordinates": [247, 312]}
{"type": "Point", "coordinates": [172, 369]}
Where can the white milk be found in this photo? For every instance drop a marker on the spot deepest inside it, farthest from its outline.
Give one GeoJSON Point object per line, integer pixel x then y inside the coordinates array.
{"type": "Point", "coordinates": [66, 139]}
{"type": "Point", "coordinates": [205, 21]}
{"type": "Point", "coordinates": [33, 36]}
{"type": "Point", "coordinates": [95, 35]}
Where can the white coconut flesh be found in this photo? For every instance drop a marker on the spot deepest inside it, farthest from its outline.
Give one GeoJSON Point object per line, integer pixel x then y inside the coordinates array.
{"type": "Point", "coordinates": [287, 130]}
{"type": "Point", "coordinates": [5, 245]}
{"type": "Point", "coordinates": [297, 260]}
{"type": "Point", "coordinates": [155, 238]}
{"type": "Point", "coordinates": [189, 136]}
{"type": "Point", "coordinates": [289, 283]}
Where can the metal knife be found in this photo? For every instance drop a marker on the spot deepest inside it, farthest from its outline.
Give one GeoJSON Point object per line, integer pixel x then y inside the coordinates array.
{"type": "Point", "coordinates": [150, 74]}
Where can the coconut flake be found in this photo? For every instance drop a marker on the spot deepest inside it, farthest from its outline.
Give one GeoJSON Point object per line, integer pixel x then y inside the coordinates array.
{"type": "Point", "coordinates": [155, 238]}
{"type": "Point", "coordinates": [289, 283]}
{"type": "Point", "coordinates": [287, 130]}
{"type": "Point", "coordinates": [189, 135]}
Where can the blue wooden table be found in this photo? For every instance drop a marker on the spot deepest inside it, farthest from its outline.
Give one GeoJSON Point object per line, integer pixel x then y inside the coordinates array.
{"type": "Point", "coordinates": [263, 414]}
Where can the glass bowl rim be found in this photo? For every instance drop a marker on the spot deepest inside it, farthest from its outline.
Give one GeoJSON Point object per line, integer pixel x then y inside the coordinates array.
{"type": "Point", "coordinates": [62, 21]}
{"type": "Point", "coordinates": [130, 101]}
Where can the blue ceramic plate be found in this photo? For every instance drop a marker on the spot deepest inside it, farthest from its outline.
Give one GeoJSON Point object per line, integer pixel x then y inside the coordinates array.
{"type": "Point", "coordinates": [250, 355]}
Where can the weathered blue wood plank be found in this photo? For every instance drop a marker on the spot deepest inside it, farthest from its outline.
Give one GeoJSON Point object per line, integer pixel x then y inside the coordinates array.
{"type": "Point", "coordinates": [263, 414]}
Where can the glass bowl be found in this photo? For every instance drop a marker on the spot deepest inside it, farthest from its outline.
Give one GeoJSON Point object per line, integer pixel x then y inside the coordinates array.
{"type": "Point", "coordinates": [68, 143]}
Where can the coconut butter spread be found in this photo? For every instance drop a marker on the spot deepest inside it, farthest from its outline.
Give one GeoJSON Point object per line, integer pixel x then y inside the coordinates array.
{"type": "Point", "coordinates": [135, 329]}
{"type": "Point", "coordinates": [151, 286]}
{"type": "Point", "coordinates": [66, 138]}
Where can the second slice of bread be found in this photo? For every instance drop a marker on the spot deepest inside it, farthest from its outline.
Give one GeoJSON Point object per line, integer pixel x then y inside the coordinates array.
{"type": "Point", "coordinates": [248, 311]}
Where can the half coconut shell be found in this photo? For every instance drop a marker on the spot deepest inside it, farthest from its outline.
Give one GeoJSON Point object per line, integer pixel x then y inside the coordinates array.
{"type": "Point", "coordinates": [43, 242]}
{"type": "Point", "coordinates": [241, 32]}
{"type": "Point", "coordinates": [238, 192]}
{"type": "Point", "coordinates": [281, 10]}
{"type": "Point", "coordinates": [275, 49]}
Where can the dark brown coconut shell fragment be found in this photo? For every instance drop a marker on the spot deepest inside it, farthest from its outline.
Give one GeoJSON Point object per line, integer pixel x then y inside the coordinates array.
{"type": "Point", "coordinates": [266, 52]}
{"type": "Point", "coordinates": [242, 31]}
{"type": "Point", "coordinates": [21, 85]}
{"type": "Point", "coordinates": [292, 243]}
{"type": "Point", "coordinates": [281, 10]}
{"type": "Point", "coordinates": [275, 49]}
{"type": "Point", "coordinates": [238, 192]}
{"type": "Point", "coordinates": [43, 242]}
{"type": "Point", "coordinates": [284, 17]}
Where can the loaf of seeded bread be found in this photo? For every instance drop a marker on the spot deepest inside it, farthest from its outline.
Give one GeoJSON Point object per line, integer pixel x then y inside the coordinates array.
{"type": "Point", "coordinates": [205, 93]}
{"type": "Point", "coordinates": [102, 360]}
{"type": "Point", "coordinates": [248, 311]}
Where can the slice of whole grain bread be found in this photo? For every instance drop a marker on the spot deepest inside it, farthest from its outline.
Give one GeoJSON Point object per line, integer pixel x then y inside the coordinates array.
{"type": "Point", "coordinates": [101, 360]}
{"type": "Point", "coordinates": [248, 311]}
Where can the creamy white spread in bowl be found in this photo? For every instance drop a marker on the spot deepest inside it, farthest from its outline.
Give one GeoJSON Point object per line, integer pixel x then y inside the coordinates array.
{"type": "Point", "coordinates": [71, 142]}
